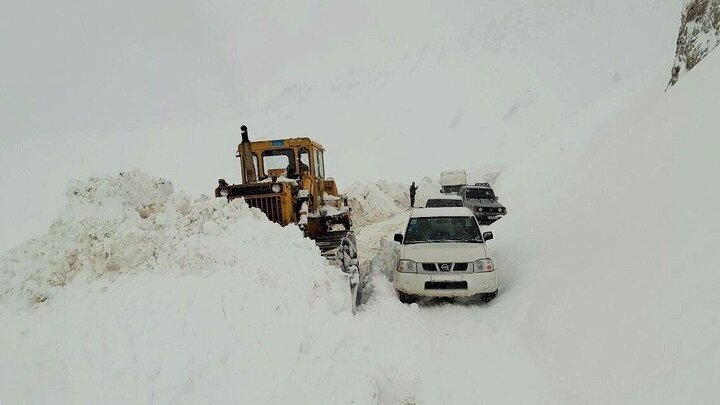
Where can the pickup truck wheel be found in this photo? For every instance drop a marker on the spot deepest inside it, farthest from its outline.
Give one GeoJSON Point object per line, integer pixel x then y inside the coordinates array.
{"type": "Point", "coordinates": [405, 298]}
{"type": "Point", "coordinates": [489, 296]}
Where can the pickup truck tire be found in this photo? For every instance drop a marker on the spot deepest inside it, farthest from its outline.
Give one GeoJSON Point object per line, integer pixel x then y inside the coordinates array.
{"type": "Point", "coordinates": [489, 296]}
{"type": "Point", "coordinates": [405, 298]}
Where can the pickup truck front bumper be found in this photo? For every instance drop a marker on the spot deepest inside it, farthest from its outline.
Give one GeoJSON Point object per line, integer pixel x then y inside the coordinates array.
{"type": "Point", "coordinates": [446, 285]}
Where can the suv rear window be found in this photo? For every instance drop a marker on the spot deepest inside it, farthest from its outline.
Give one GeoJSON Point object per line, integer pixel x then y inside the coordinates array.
{"type": "Point", "coordinates": [485, 193]}
{"type": "Point", "coordinates": [443, 202]}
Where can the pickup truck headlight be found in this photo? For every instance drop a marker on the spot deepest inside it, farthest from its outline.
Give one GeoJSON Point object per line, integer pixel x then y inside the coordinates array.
{"type": "Point", "coordinates": [406, 266]}
{"type": "Point", "coordinates": [224, 192]}
{"type": "Point", "coordinates": [484, 266]}
{"type": "Point", "coordinates": [276, 188]}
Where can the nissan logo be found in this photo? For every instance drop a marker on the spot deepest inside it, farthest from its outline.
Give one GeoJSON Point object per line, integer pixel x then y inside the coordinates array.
{"type": "Point", "coordinates": [445, 267]}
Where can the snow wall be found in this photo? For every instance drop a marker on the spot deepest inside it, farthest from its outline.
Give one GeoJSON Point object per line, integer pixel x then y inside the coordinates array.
{"type": "Point", "coordinates": [139, 294]}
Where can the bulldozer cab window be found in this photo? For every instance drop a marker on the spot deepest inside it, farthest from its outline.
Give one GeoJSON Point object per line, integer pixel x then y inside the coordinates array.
{"type": "Point", "coordinates": [319, 164]}
{"type": "Point", "coordinates": [304, 160]}
{"type": "Point", "coordinates": [278, 160]}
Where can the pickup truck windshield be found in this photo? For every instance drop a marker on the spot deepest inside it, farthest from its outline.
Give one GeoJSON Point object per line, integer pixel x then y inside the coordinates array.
{"type": "Point", "coordinates": [443, 202]}
{"type": "Point", "coordinates": [442, 229]}
{"type": "Point", "coordinates": [484, 193]}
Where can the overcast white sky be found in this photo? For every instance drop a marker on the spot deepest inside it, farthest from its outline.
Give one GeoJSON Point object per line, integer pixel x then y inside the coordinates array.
{"type": "Point", "coordinates": [107, 65]}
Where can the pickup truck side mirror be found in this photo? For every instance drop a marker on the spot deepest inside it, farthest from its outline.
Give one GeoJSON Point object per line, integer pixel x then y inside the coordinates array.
{"type": "Point", "coordinates": [487, 236]}
{"type": "Point", "coordinates": [398, 238]}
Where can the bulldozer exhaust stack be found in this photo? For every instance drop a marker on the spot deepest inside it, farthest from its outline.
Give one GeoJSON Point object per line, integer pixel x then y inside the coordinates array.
{"type": "Point", "coordinates": [245, 153]}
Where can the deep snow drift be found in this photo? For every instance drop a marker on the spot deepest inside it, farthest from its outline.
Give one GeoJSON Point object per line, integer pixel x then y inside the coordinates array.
{"type": "Point", "coordinates": [140, 294]}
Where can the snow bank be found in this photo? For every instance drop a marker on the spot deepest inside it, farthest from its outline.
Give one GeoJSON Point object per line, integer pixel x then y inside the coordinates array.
{"type": "Point", "coordinates": [373, 202]}
{"type": "Point", "coordinates": [141, 294]}
{"type": "Point", "coordinates": [135, 223]}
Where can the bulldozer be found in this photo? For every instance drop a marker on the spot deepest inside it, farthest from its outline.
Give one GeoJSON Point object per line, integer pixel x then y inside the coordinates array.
{"type": "Point", "coordinates": [286, 180]}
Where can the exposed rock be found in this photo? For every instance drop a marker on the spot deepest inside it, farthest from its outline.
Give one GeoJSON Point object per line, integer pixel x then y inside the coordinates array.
{"type": "Point", "coordinates": [699, 34]}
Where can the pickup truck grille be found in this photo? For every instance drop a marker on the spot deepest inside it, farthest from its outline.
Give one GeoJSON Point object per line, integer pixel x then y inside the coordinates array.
{"type": "Point", "coordinates": [445, 266]}
{"type": "Point", "coordinates": [429, 267]}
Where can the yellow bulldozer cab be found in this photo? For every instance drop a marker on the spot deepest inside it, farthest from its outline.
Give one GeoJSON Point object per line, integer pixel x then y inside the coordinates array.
{"type": "Point", "coordinates": [288, 158]}
{"type": "Point", "coordinates": [292, 159]}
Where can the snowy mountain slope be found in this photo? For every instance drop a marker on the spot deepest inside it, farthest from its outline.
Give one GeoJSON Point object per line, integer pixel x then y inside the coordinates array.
{"type": "Point", "coordinates": [395, 91]}
{"type": "Point", "coordinates": [626, 301]}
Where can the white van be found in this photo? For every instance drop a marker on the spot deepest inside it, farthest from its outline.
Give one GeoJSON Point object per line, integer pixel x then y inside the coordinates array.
{"type": "Point", "coordinates": [452, 180]}
{"type": "Point", "coordinates": [443, 254]}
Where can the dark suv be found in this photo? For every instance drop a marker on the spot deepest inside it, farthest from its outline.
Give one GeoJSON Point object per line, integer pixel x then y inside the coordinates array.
{"type": "Point", "coordinates": [483, 202]}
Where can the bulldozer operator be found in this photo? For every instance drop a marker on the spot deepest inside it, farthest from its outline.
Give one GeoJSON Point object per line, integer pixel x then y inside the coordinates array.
{"type": "Point", "coordinates": [291, 170]}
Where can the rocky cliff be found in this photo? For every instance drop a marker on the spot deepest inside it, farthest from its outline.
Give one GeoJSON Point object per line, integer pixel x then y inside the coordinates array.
{"type": "Point", "coordinates": [699, 34]}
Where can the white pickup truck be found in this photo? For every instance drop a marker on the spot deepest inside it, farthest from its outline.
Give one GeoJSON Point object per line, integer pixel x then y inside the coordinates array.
{"type": "Point", "coordinates": [443, 254]}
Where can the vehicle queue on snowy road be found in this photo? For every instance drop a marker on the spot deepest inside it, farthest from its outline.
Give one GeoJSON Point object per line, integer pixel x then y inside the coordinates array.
{"type": "Point", "coordinates": [443, 250]}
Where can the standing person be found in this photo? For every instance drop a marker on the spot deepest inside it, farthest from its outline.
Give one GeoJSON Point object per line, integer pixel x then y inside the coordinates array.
{"type": "Point", "coordinates": [413, 189]}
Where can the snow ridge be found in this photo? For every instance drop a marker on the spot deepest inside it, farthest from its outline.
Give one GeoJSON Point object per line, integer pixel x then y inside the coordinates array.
{"type": "Point", "coordinates": [176, 299]}
{"type": "Point", "coordinates": [135, 223]}
{"type": "Point", "coordinates": [381, 200]}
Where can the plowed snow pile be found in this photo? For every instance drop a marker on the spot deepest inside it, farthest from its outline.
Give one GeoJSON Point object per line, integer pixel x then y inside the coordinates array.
{"type": "Point", "coordinates": [140, 294]}
{"type": "Point", "coordinates": [374, 202]}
